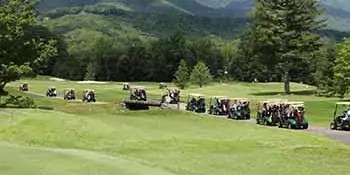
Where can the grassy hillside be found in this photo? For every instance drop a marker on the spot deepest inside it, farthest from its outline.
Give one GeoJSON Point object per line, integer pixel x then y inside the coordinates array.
{"type": "Point", "coordinates": [76, 138]}
{"type": "Point", "coordinates": [145, 19]}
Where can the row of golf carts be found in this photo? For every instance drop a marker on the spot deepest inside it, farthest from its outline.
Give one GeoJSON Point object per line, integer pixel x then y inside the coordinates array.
{"type": "Point", "coordinates": [282, 113]}
{"type": "Point", "coordinates": [88, 95]}
{"type": "Point", "coordinates": [238, 108]}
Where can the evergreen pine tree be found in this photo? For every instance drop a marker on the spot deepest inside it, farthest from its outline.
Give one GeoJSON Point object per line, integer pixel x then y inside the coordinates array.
{"type": "Point", "coordinates": [283, 35]}
{"type": "Point", "coordinates": [182, 75]}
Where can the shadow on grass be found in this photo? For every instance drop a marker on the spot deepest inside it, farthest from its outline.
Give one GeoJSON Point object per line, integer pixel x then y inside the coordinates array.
{"type": "Point", "coordinates": [18, 107]}
{"type": "Point", "coordinates": [344, 100]}
{"type": "Point", "coordinates": [304, 92]}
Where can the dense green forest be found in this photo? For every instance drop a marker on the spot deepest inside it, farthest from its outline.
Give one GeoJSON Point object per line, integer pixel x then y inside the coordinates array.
{"type": "Point", "coordinates": [145, 40]}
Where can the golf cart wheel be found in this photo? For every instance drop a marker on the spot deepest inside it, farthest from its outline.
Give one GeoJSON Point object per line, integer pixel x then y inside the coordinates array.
{"type": "Point", "coordinates": [279, 125]}
{"type": "Point", "coordinates": [265, 123]}
{"type": "Point", "coordinates": [332, 126]}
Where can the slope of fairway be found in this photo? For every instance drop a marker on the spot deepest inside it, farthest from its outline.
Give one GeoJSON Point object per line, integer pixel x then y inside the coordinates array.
{"type": "Point", "coordinates": [76, 138]}
{"type": "Point", "coordinates": [319, 110]}
{"type": "Point", "coordinates": [42, 161]}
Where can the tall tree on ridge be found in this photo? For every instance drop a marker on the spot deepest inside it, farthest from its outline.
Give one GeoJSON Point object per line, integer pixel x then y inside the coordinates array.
{"type": "Point", "coordinates": [283, 35]}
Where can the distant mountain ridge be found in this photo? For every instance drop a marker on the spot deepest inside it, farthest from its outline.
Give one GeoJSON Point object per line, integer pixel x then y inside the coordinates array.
{"type": "Point", "coordinates": [223, 18]}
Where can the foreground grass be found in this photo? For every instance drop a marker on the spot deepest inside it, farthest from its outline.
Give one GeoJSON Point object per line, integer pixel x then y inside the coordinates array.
{"type": "Point", "coordinates": [80, 139]}
{"type": "Point", "coordinates": [319, 110]}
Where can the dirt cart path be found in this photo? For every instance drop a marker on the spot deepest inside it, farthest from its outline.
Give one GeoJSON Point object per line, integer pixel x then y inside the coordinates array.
{"type": "Point", "coordinates": [61, 98]}
{"type": "Point", "coordinates": [341, 136]}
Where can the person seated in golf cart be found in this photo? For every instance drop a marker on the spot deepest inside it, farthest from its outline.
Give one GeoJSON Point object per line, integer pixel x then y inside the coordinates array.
{"type": "Point", "coordinates": [240, 109]}
{"type": "Point", "coordinates": [235, 105]}
{"type": "Point", "coordinates": [126, 86]}
{"type": "Point", "coordinates": [51, 92]}
{"type": "Point", "coordinates": [196, 103]}
{"type": "Point", "coordinates": [201, 104]}
{"type": "Point", "coordinates": [69, 94]}
{"type": "Point", "coordinates": [219, 105]}
{"type": "Point", "coordinates": [138, 93]}
{"type": "Point", "coordinates": [265, 110]}
{"type": "Point", "coordinates": [89, 96]}
{"type": "Point", "coordinates": [174, 95]}
{"type": "Point", "coordinates": [345, 116]}
{"type": "Point", "coordinates": [23, 87]}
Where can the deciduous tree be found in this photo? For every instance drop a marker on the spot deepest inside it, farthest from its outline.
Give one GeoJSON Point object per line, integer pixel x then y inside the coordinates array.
{"type": "Point", "coordinates": [200, 74]}
{"type": "Point", "coordinates": [342, 69]}
{"type": "Point", "coordinates": [20, 46]}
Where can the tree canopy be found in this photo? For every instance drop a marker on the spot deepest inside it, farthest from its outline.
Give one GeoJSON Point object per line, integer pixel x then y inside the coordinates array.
{"type": "Point", "coordinates": [22, 45]}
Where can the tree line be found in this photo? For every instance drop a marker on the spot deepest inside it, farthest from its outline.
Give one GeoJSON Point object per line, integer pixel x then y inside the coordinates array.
{"type": "Point", "coordinates": [281, 45]}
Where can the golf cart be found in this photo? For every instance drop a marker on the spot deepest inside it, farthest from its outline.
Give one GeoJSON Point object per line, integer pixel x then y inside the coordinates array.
{"type": "Point", "coordinates": [340, 122]}
{"type": "Point", "coordinates": [196, 103]}
{"type": "Point", "coordinates": [240, 109]}
{"type": "Point", "coordinates": [88, 95]}
{"type": "Point", "coordinates": [51, 92]}
{"type": "Point", "coordinates": [268, 112]}
{"type": "Point", "coordinates": [219, 105]}
{"type": "Point", "coordinates": [172, 96]}
{"type": "Point", "coordinates": [292, 116]}
{"type": "Point", "coordinates": [138, 93]}
{"type": "Point", "coordinates": [23, 87]}
{"type": "Point", "coordinates": [69, 94]}
{"type": "Point", "coordinates": [162, 85]}
{"type": "Point", "coordinates": [126, 86]}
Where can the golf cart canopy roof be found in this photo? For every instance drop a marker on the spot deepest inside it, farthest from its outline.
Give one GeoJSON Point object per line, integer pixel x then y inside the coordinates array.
{"type": "Point", "coordinates": [262, 102]}
{"type": "Point", "coordinates": [69, 88]}
{"type": "Point", "coordinates": [176, 89]}
{"type": "Point", "coordinates": [241, 99]}
{"type": "Point", "coordinates": [196, 95]}
{"type": "Point", "coordinates": [52, 87]}
{"type": "Point", "coordinates": [277, 100]}
{"type": "Point", "coordinates": [138, 87]}
{"type": "Point", "coordinates": [295, 102]}
{"type": "Point", "coordinates": [343, 103]}
{"type": "Point", "coordinates": [87, 90]}
{"type": "Point", "coordinates": [125, 83]}
{"type": "Point", "coordinates": [221, 97]}
{"type": "Point", "coordinates": [274, 103]}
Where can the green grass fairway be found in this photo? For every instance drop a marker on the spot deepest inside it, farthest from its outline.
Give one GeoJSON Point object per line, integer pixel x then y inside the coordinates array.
{"type": "Point", "coordinates": [319, 110]}
{"type": "Point", "coordinates": [73, 138]}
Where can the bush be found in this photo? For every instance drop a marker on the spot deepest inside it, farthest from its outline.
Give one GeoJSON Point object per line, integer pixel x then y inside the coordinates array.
{"type": "Point", "coordinates": [19, 101]}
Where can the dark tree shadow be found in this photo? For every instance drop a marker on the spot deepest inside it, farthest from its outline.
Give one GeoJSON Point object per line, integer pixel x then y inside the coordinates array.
{"type": "Point", "coordinates": [45, 108]}
{"type": "Point", "coordinates": [304, 92]}
{"type": "Point", "coordinates": [18, 107]}
{"type": "Point", "coordinates": [344, 100]}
